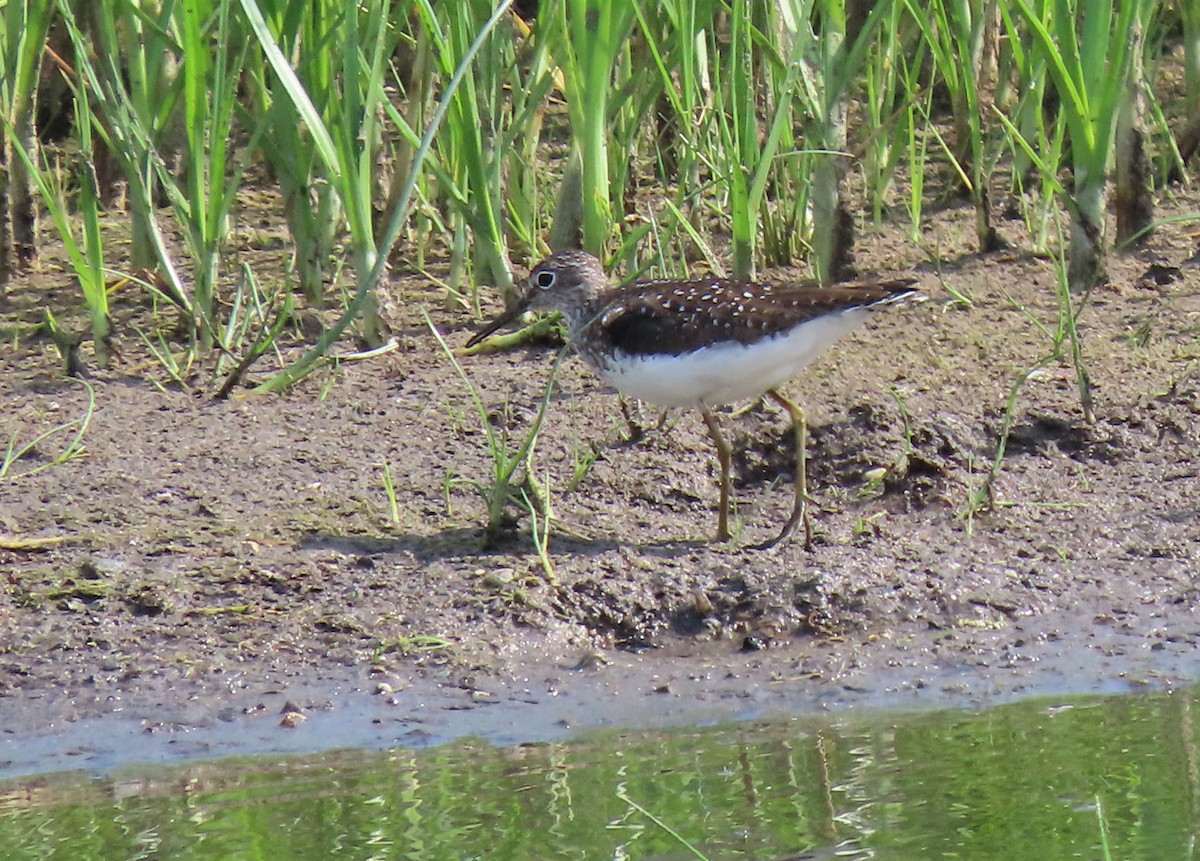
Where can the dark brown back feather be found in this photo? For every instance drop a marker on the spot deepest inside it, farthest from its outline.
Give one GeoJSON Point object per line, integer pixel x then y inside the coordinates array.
{"type": "Point", "coordinates": [675, 317]}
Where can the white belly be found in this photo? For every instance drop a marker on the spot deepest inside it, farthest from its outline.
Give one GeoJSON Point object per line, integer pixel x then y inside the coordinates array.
{"type": "Point", "coordinates": [728, 371]}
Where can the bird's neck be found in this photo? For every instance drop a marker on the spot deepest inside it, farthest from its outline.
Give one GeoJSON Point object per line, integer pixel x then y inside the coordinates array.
{"type": "Point", "coordinates": [580, 308]}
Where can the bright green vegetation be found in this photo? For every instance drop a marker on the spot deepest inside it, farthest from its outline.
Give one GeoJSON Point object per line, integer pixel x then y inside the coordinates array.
{"type": "Point", "coordinates": [389, 129]}
{"type": "Point", "coordinates": [1086, 778]}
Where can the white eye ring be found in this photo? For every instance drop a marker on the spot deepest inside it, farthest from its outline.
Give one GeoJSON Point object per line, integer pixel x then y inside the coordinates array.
{"type": "Point", "coordinates": [544, 279]}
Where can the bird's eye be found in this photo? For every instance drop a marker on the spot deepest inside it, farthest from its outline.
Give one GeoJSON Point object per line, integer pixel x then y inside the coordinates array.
{"type": "Point", "coordinates": [544, 279]}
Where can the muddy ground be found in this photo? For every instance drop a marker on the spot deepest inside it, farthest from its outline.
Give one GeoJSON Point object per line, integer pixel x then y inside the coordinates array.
{"type": "Point", "coordinates": [206, 552]}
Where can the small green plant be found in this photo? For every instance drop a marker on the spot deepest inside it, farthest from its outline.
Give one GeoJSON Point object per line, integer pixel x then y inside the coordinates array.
{"type": "Point", "coordinates": [538, 503]}
{"type": "Point", "coordinates": [865, 526]}
{"type": "Point", "coordinates": [1064, 338]}
{"type": "Point", "coordinates": [389, 488]}
{"type": "Point", "coordinates": [957, 294]}
{"type": "Point", "coordinates": [255, 322]}
{"type": "Point", "coordinates": [900, 464]}
{"type": "Point", "coordinates": [582, 461]}
{"type": "Point", "coordinates": [504, 486]}
{"type": "Point", "coordinates": [178, 368]}
{"type": "Point", "coordinates": [409, 645]}
{"type": "Point", "coordinates": [982, 496]}
{"type": "Point", "coordinates": [74, 429]}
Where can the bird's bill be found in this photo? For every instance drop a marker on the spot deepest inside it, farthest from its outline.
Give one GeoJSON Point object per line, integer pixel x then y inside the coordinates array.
{"type": "Point", "coordinates": [496, 325]}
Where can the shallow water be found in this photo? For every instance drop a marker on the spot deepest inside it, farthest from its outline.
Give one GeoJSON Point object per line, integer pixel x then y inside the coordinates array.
{"type": "Point", "coordinates": [1044, 779]}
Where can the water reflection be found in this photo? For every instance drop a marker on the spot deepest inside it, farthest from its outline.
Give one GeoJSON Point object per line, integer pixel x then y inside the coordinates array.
{"type": "Point", "coordinates": [1028, 780]}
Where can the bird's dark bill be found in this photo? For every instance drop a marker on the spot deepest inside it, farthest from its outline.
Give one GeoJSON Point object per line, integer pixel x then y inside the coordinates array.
{"type": "Point", "coordinates": [496, 325]}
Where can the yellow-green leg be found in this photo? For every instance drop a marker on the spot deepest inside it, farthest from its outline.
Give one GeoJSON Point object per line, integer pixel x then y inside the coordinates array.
{"type": "Point", "coordinates": [800, 505]}
{"type": "Point", "coordinates": [724, 459]}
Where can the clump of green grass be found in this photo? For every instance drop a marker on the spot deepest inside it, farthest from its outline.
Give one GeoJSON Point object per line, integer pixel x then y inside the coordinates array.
{"type": "Point", "coordinates": [512, 479]}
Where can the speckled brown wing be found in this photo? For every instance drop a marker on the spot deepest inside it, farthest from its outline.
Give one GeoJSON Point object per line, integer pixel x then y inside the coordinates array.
{"type": "Point", "coordinates": [676, 317]}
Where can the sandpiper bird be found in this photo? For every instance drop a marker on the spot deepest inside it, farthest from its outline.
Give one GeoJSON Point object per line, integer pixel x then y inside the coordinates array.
{"type": "Point", "coordinates": [703, 342]}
